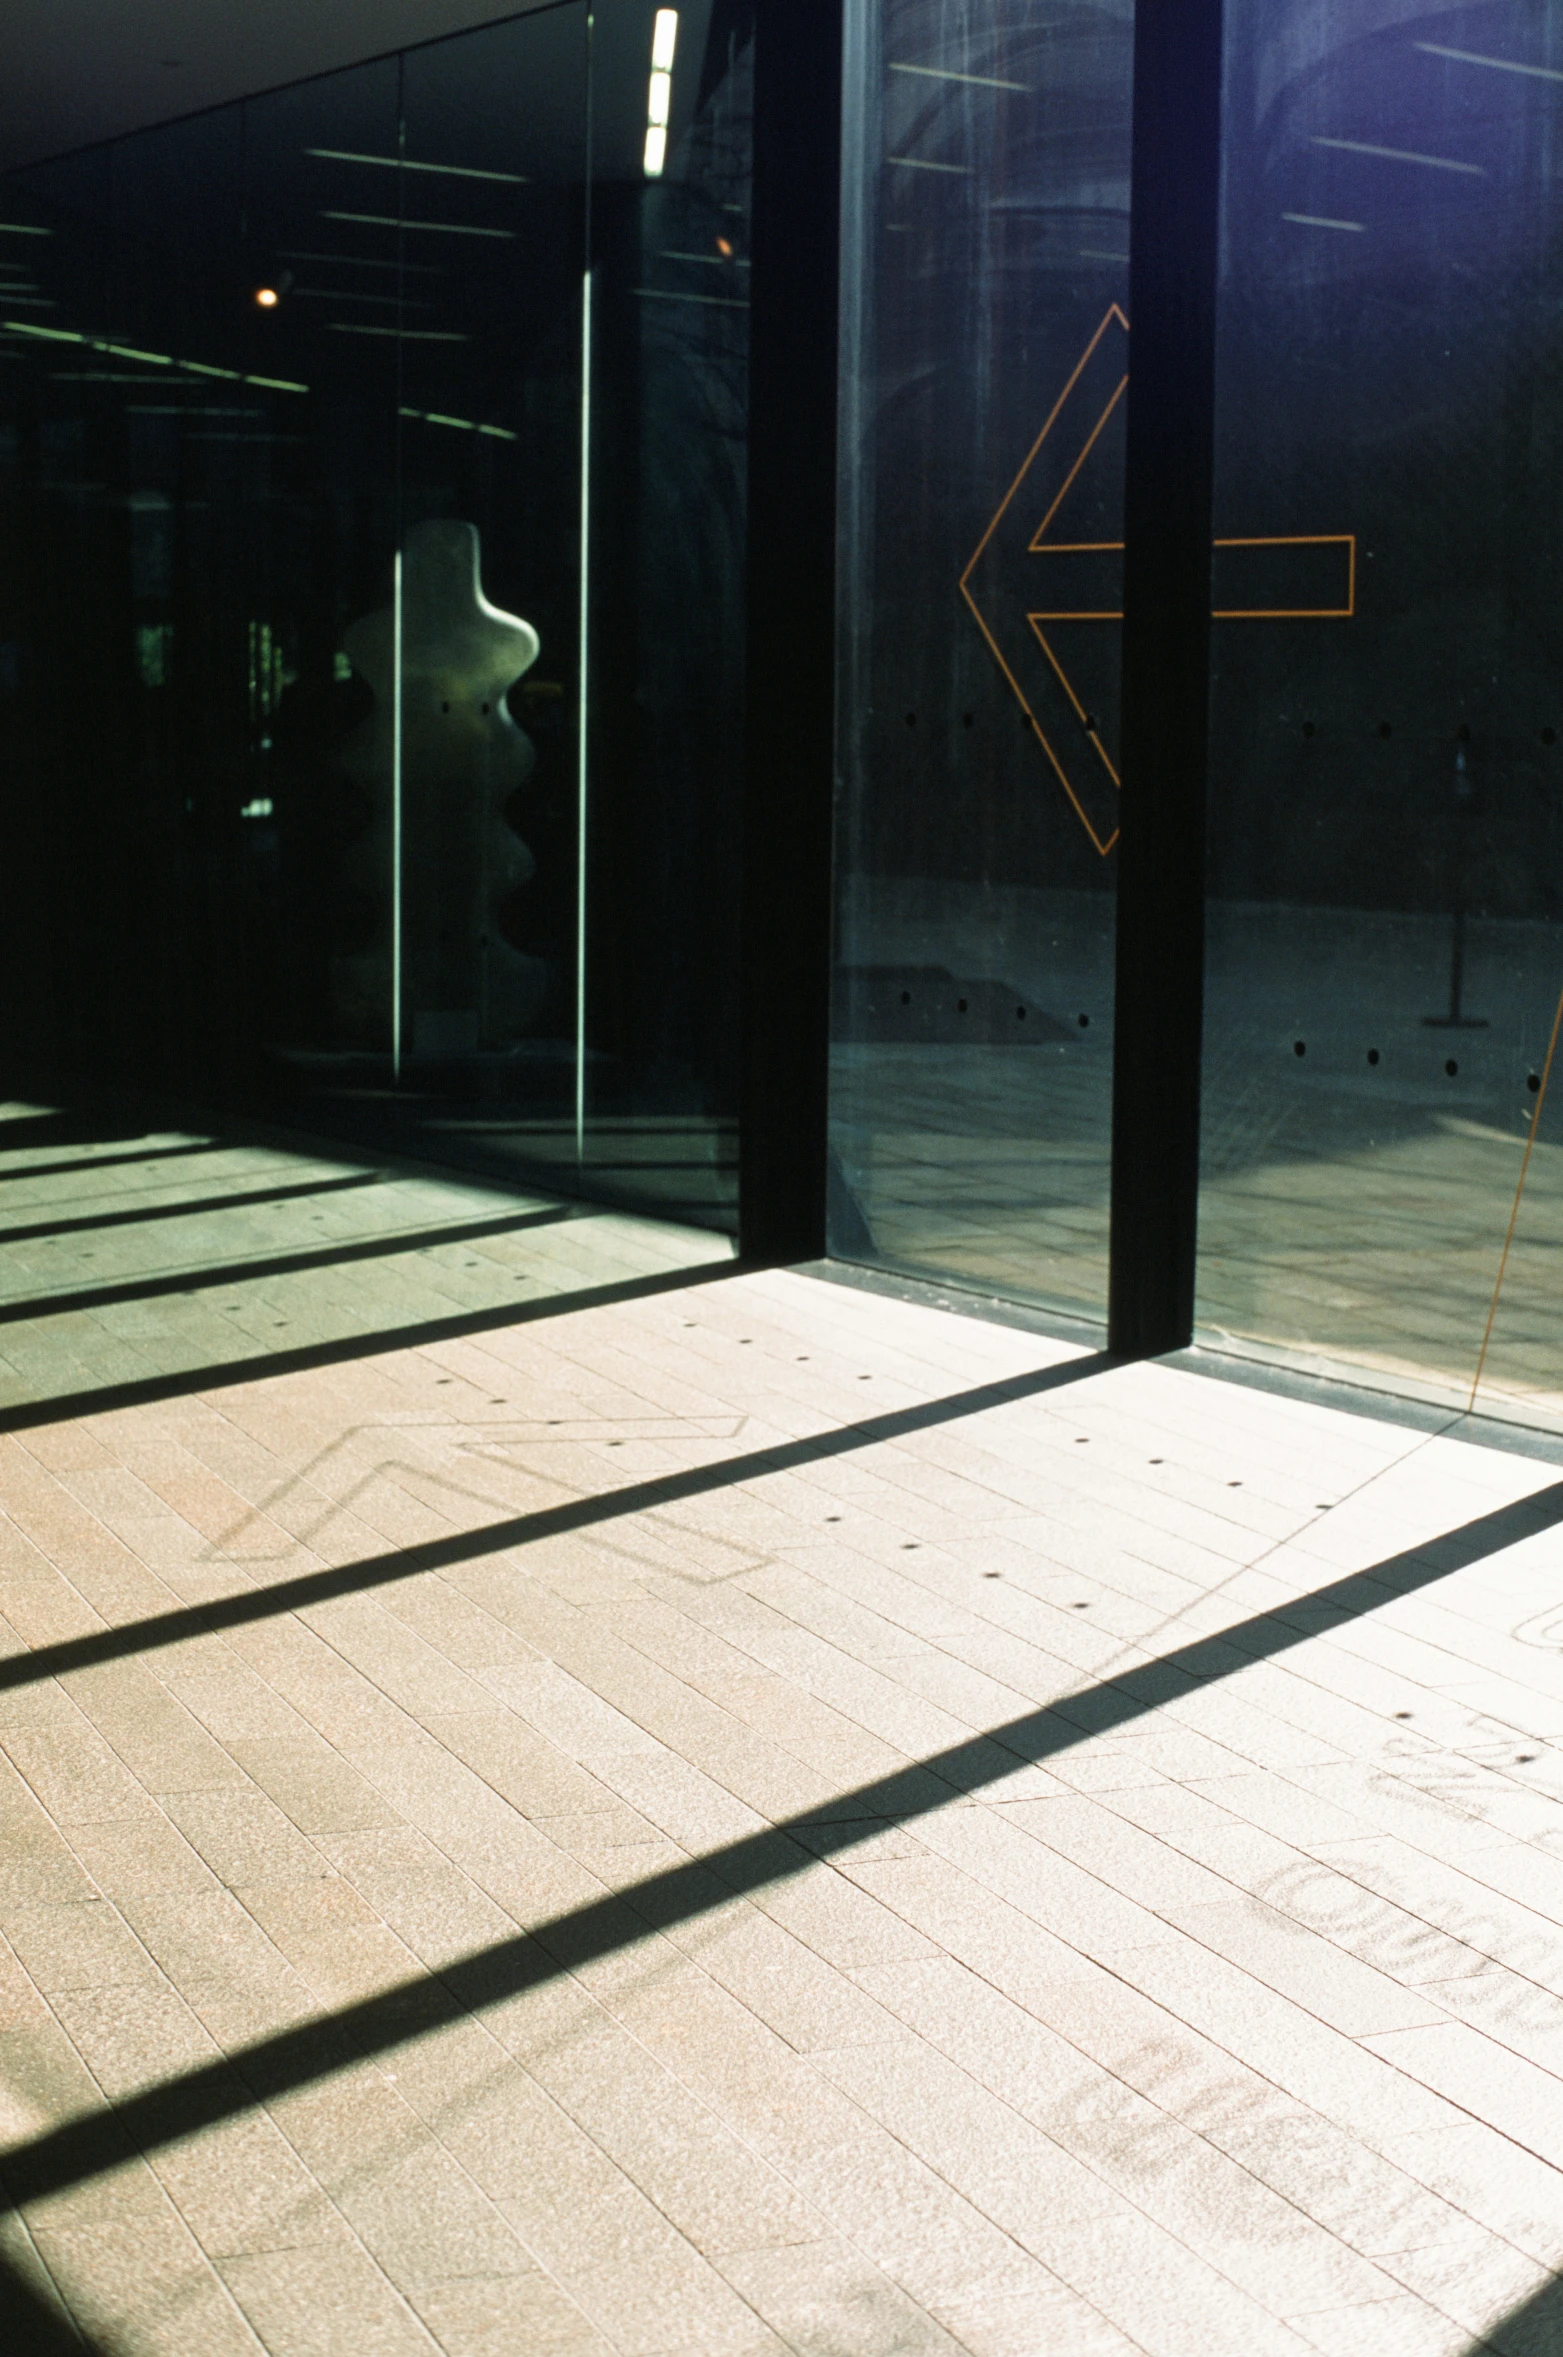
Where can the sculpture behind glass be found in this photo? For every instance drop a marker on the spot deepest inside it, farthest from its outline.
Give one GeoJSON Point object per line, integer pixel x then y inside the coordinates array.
{"type": "Point", "coordinates": [462, 759]}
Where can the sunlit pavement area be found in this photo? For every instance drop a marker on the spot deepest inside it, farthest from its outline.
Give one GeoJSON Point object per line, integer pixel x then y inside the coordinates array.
{"type": "Point", "coordinates": [560, 1798]}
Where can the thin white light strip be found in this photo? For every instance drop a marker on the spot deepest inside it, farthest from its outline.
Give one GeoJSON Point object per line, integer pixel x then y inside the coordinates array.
{"type": "Point", "coordinates": [389, 221]}
{"type": "Point", "coordinates": [664, 39]}
{"type": "Point", "coordinates": [1321, 221]}
{"type": "Point", "coordinates": [1501, 65]}
{"type": "Point", "coordinates": [656, 151]}
{"type": "Point", "coordinates": [395, 163]}
{"type": "Point", "coordinates": [939, 73]}
{"type": "Point", "coordinates": [663, 294]}
{"type": "Point", "coordinates": [917, 163]}
{"type": "Point", "coordinates": [23, 229]}
{"type": "Point", "coordinates": [468, 425]}
{"type": "Point", "coordinates": [396, 818]}
{"type": "Point", "coordinates": [66, 335]}
{"type": "Point", "coordinates": [582, 770]}
{"type": "Point", "coordinates": [1401, 155]}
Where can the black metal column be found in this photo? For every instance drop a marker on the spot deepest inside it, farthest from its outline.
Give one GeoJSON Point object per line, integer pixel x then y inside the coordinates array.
{"type": "Point", "coordinates": [790, 723]}
{"type": "Point", "coordinates": [1173, 252]}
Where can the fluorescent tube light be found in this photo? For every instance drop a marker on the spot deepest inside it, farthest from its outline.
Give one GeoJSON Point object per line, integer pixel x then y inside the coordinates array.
{"type": "Point", "coordinates": [656, 150]}
{"type": "Point", "coordinates": [664, 39]}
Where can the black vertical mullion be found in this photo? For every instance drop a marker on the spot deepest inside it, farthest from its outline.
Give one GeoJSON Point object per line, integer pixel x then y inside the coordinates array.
{"type": "Point", "coordinates": [1173, 255]}
{"type": "Point", "coordinates": [791, 626]}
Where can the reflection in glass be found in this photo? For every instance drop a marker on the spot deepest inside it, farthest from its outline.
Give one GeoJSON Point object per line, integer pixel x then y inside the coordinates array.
{"type": "Point", "coordinates": [1386, 859]}
{"type": "Point", "coordinates": [441, 758]}
{"type": "Point", "coordinates": [296, 415]}
{"type": "Point", "coordinates": [985, 355]}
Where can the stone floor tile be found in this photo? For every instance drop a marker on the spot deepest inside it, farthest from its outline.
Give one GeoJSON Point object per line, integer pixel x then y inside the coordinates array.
{"type": "Point", "coordinates": [1038, 2325]}
{"type": "Point", "coordinates": [324, 2300]}
{"type": "Point", "coordinates": [1400, 2327]}
{"type": "Point", "coordinates": [505, 2315]}
{"type": "Point", "coordinates": [24, 2267]}
{"type": "Point", "coordinates": [311, 1783]}
{"type": "Point", "coordinates": [81, 1944]}
{"type": "Point", "coordinates": [1521, 2100]}
{"type": "Point", "coordinates": [825, 2299]}
{"type": "Point", "coordinates": [200, 1934]}
{"type": "Point", "coordinates": [146, 2286]}
{"type": "Point", "coordinates": [129, 2036]}
{"type": "Point", "coordinates": [136, 1860]}
{"type": "Point", "coordinates": [1473, 2278]}
{"type": "Point", "coordinates": [240, 2187]}
{"type": "Point", "coordinates": [244, 1837]}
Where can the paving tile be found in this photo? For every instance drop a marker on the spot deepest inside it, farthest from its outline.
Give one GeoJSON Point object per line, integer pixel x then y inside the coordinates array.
{"type": "Point", "coordinates": [146, 2285]}
{"type": "Point", "coordinates": [1403, 2326]}
{"type": "Point", "coordinates": [1473, 2071]}
{"type": "Point", "coordinates": [825, 2299]}
{"type": "Point", "coordinates": [244, 1837]}
{"type": "Point", "coordinates": [324, 2299]}
{"type": "Point", "coordinates": [499, 2316]}
{"type": "Point", "coordinates": [82, 1944]}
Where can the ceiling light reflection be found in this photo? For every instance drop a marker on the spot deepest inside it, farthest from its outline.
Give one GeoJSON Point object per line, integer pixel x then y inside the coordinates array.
{"type": "Point", "coordinates": [1502, 65]}
{"type": "Point", "coordinates": [113, 351]}
{"type": "Point", "coordinates": [659, 95]}
{"type": "Point", "coordinates": [939, 73]}
{"type": "Point", "coordinates": [390, 221]}
{"type": "Point", "coordinates": [1400, 155]}
{"type": "Point", "coordinates": [396, 163]}
{"type": "Point", "coordinates": [466, 425]}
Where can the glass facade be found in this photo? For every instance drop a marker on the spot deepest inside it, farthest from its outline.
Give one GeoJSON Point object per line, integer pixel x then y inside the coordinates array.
{"type": "Point", "coordinates": [372, 641]}
{"type": "Point", "coordinates": [372, 469]}
{"type": "Point", "coordinates": [985, 282]}
{"type": "Point", "coordinates": [1382, 1158]}
{"type": "Point", "coordinates": [1386, 839]}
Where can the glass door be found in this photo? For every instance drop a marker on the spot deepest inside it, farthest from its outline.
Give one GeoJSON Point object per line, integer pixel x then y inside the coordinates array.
{"type": "Point", "coordinates": [986, 352]}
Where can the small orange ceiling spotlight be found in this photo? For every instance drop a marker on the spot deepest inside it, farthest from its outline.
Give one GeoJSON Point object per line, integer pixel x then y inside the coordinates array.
{"type": "Point", "coordinates": [267, 297]}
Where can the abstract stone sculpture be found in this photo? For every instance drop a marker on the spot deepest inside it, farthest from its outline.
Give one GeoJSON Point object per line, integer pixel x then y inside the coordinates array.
{"type": "Point", "coordinates": [464, 987]}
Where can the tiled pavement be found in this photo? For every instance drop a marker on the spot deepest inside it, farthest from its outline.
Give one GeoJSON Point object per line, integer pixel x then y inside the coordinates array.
{"type": "Point", "coordinates": [1090, 1839]}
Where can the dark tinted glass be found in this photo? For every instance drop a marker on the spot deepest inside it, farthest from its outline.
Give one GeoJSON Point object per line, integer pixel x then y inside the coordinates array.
{"type": "Point", "coordinates": [337, 426]}
{"type": "Point", "coordinates": [1386, 850]}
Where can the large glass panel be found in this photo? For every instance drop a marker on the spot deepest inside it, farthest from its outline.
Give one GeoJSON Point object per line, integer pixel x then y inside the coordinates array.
{"type": "Point", "coordinates": [669, 408]}
{"type": "Point", "coordinates": [1386, 862]}
{"type": "Point", "coordinates": [452, 256]}
{"type": "Point", "coordinates": [209, 490]}
{"type": "Point", "coordinates": [985, 353]}
{"type": "Point", "coordinates": [371, 469]}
